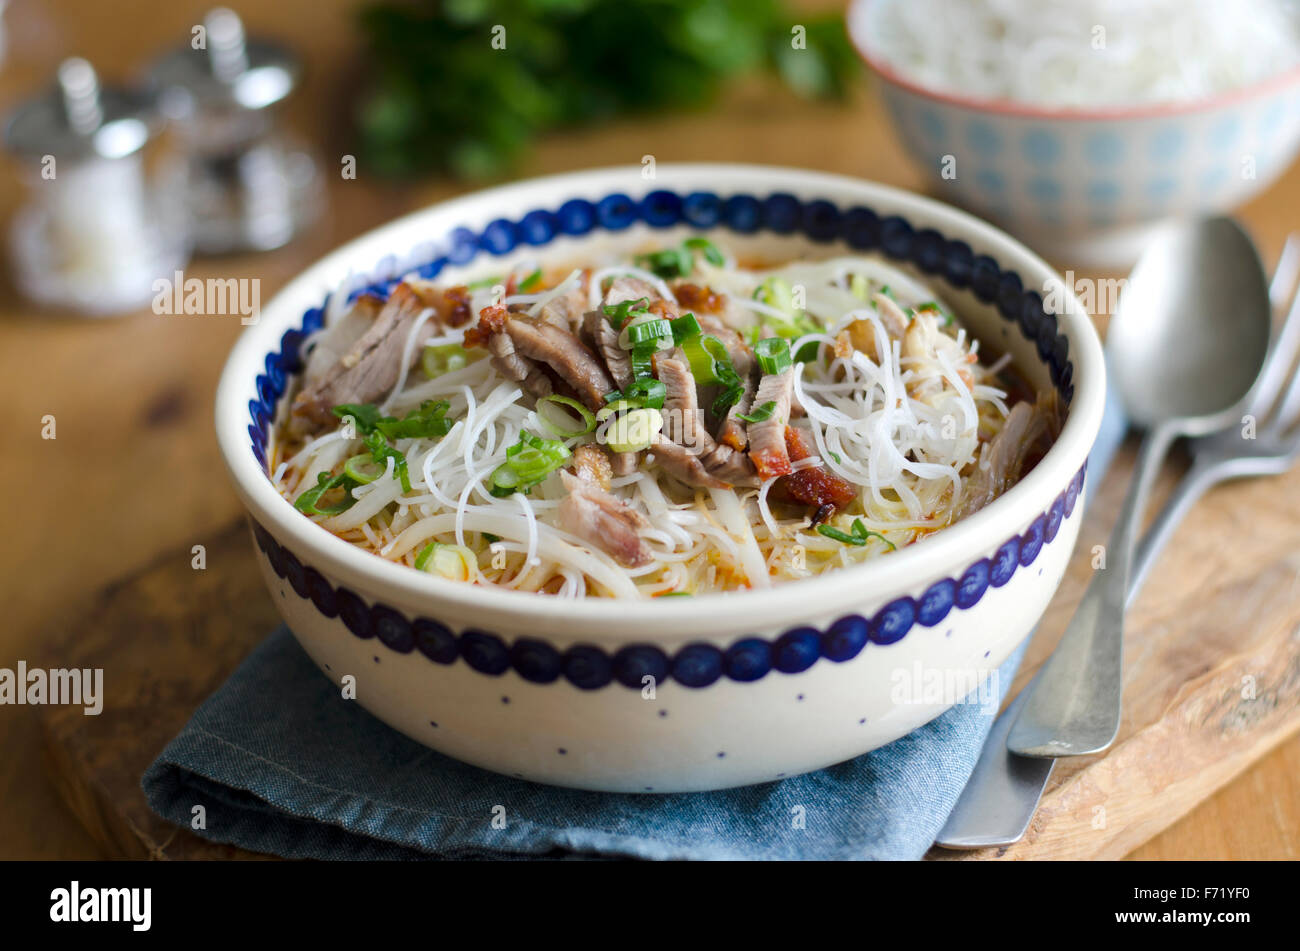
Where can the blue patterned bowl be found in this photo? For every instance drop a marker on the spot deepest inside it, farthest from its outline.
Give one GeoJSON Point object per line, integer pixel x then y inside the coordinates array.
{"type": "Point", "coordinates": [1086, 188]}
{"type": "Point", "coordinates": [679, 693]}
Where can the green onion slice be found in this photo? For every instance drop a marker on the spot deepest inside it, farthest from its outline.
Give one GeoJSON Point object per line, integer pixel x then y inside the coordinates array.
{"type": "Point", "coordinates": [363, 469]}
{"type": "Point", "coordinates": [619, 314]}
{"type": "Point", "coordinates": [773, 354]}
{"type": "Point", "coordinates": [859, 537]}
{"type": "Point", "coordinates": [309, 501]}
{"type": "Point", "coordinates": [647, 331]}
{"type": "Point", "coordinates": [685, 327]}
{"type": "Point", "coordinates": [445, 358]}
{"type": "Point", "coordinates": [528, 463]}
{"type": "Point", "coordinates": [566, 427]}
{"type": "Point", "coordinates": [531, 281]}
{"type": "Point", "coordinates": [708, 248]}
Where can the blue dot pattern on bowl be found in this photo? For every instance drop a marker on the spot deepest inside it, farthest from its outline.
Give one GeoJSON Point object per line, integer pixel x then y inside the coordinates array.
{"type": "Point", "coordinates": [696, 665]}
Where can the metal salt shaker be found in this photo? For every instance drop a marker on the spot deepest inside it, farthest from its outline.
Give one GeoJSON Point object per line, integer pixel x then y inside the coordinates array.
{"type": "Point", "coordinates": [97, 233]}
{"type": "Point", "coordinates": [246, 186]}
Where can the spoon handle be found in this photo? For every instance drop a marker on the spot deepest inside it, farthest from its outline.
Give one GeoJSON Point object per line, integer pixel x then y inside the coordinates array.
{"type": "Point", "coordinates": [1074, 702]}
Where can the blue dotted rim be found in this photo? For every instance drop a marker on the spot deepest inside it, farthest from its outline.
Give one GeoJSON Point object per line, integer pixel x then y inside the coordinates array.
{"type": "Point", "coordinates": [748, 659]}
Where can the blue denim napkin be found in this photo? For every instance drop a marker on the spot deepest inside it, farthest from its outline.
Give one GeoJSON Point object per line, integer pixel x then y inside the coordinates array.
{"type": "Point", "coordinates": [282, 764]}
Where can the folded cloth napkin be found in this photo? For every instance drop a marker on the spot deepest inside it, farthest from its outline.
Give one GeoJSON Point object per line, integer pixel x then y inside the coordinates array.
{"type": "Point", "coordinates": [282, 764]}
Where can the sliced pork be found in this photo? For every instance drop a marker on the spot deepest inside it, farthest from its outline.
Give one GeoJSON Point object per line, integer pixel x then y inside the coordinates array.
{"type": "Point", "coordinates": [604, 521]}
{"type": "Point", "coordinates": [683, 420]}
{"type": "Point", "coordinates": [684, 465]}
{"type": "Point", "coordinates": [564, 354]}
{"type": "Point", "coordinates": [1027, 430]}
{"type": "Point", "coordinates": [601, 336]}
{"type": "Point", "coordinates": [370, 368]}
{"type": "Point", "coordinates": [767, 438]}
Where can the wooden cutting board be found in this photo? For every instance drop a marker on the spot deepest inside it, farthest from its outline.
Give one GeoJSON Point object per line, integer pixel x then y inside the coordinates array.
{"type": "Point", "coordinates": [1212, 676]}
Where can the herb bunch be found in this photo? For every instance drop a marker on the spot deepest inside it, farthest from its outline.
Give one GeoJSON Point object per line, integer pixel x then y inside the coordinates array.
{"type": "Point", "coordinates": [443, 97]}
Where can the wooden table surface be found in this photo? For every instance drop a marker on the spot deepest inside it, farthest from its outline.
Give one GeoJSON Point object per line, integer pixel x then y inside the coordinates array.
{"type": "Point", "coordinates": [134, 471]}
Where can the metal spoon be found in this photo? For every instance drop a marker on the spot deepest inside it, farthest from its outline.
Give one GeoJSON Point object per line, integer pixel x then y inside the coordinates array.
{"type": "Point", "coordinates": [1188, 340]}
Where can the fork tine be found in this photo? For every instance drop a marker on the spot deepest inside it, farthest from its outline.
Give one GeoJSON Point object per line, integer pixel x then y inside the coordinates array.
{"type": "Point", "coordinates": [1281, 358]}
{"type": "Point", "coordinates": [1288, 412]}
{"type": "Point", "coordinates": [1286, 272]}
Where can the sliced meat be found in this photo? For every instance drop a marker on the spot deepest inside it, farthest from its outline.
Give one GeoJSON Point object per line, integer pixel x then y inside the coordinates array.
{"type": "Point", "coordinates": [731, 466]}
{"type": "Point", "coordinates": [684, 465]}
{"type": "Point", "coordinates": [719, 468]}
{"type": "Point", "coordinates": [564, 354]}
{"type": "Point", "coordinates": [683, 420]}
{"type": "Point", "coordinates": [812, 485]}
{"type": "Point", "coordinates": [1004, 460]}
{"type": "Point", "coordinates": [490, 332]}
{"type": "Point", "coordinates": [624, 463]}
{"type": "Point", "coordinates": [862, 333]}
{"type": "Point", "coordinates": [603, 521]}
{"type": "Point", "coordinates": [922, 343]}
{"type": "Point", "coordinates": [371, 366]}
{"type": "Point", "coordinates": [567, 309]}
{"type": "Point", "coordinates": [767, 439]}
{"type": "Point", "coordinates": [336, 340]}
{"type": "Point", "coordinates": [591, 463]}
{"type": "Point", "coordinates": [629, 288]}
{"type": "Point", "coordinates": [733, 431]}
{"type": "Point", "coordinates": [601, 336]}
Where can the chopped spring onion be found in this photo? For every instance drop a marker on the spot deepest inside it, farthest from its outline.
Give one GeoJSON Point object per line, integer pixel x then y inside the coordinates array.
{"type": "Point", "coordinates": [619, 314]}
{"type": "Point", "coordinates": [762, 414]}
{"type": "Point", "coordinates": [428, 421]}
{"type": "Point", "coordinates": [381, 451]}
{"type": "Point", "coordinates": [670, 262]}
{"type": "Point", "coordinates": [309, 501]}
{"type": "Point", "coordinates": [709, 249]}
{"type": "Point", "coordinates": [635, 430]}
{"type": "Point", "coordinates": [773, 354]}
{"type": "Point", "coordinates": [530, 283]}
{"type": "Point", "coordinates": [646, 333]}
{"type": "Point", "coordinates": [646, 391]}
{"type": "Point", "coordinates": [451, 561]}
{"type": "Point", "coordinates": [566, 427]}
{"type": "Point", "coordinates": [859, 537]}
{"type": "Point", "coordinates": [680, 261]}
{"type": "Point", "coordinates": [858, 287]}
{"type": "Point", "coordinates": [484, 282]}
{"type": "Point", "coordinates": [709, 359]}
{"type": "Point", "coordinates": [686, 326]}
{"type": "Point", "coordinates": [435, 361]}
{"type": "Point", "coordinates": [363, 469]}
{"type": "Point", "coordinates": [528, 463]}
{"type": "Point", "coordinates": [779, 293]}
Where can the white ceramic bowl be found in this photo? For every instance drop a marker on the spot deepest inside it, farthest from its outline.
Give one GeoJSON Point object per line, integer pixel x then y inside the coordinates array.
{"type": "Point", "coordinates": [1086, 187]}
{"type": "Point", "coordinates": [680, 693]}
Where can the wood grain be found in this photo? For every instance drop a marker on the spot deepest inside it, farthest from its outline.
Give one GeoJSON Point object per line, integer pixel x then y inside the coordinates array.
{"type": "Point", "coordinates": [125, 483]}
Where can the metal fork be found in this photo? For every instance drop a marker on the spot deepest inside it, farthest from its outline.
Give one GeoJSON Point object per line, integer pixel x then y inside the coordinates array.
{"type": "Point", "coordinates": [999, 801]}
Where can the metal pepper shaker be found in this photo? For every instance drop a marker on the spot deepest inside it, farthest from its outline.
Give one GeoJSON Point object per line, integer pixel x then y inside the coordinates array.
{"type": "Point", "coordinates": [246, 184]}
{"type": "Point", "coordinates": [97, 233]}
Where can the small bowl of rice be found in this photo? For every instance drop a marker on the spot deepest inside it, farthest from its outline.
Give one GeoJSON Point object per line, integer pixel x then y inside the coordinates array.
{"type": "Point", "coordinates": [1081, 125]}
